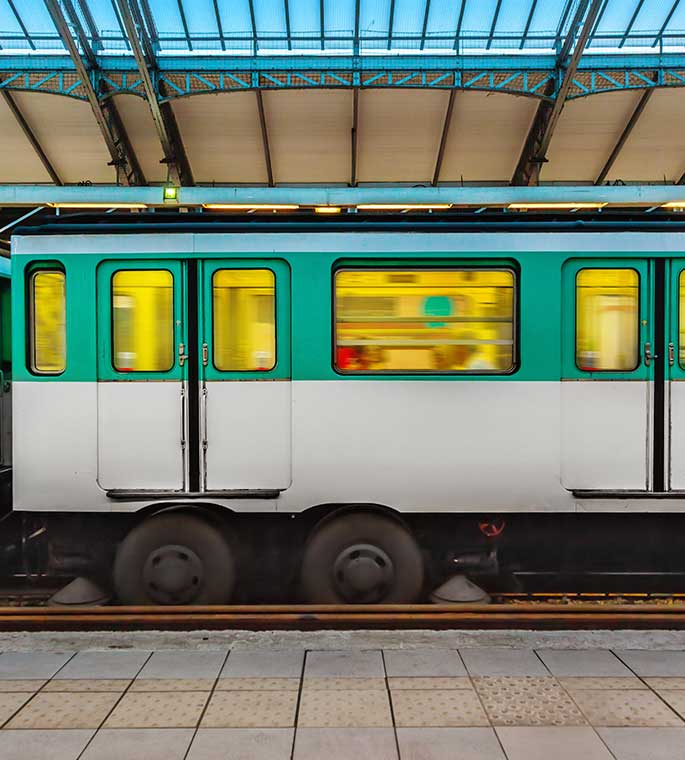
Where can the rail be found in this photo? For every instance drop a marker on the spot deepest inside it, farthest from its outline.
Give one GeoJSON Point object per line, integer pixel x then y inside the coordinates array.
{"type": "Point", "coordinates": [523, 615]}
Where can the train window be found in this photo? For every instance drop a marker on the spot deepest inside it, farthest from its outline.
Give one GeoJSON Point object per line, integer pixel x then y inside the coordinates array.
{"type": "Point", "coordinates": [424, 320]}
{"type": "Point", "coordinates": [681, 319]}
{"type": "Point", "coordinates": [143, 320]}
{"type": "Point", "coordinates": [607, 320]}
{"type": "Point", "coordinates": [47, 333]}
{"type": "Point", "coordinates": [244, 317]}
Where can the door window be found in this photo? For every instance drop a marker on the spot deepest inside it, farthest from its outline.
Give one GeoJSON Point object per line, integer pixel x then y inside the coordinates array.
{"type": "Point", "coordinates": [607, 321]}
{"type": "Point", "coordinates": [142, 320]}
{"type": "Point", "coordinates": [47, 331]}
{"type": "Point", "coordinates": [244, 320]}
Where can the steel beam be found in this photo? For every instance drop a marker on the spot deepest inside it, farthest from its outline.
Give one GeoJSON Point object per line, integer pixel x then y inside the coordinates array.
{"type": "Point", "coordinates": [391, 23]}
{"type": "Point", "coordinates": [162, 115]}
{"type": "Point", "coordinates": [28, 132]}
{"type": "Point", "coordinates": [534, 152]}
{"type": "Point", "coordinates": [628, 29]}
{"type": "Point", "coordinates": [96, 41]}
{"type": "Point", "coordinates": [667, 21]}
{"type": "Point", "coordinates": [529, 20]}
{"type": "Point", "coordinates": [460, 21]}
{"type": "Point", "coordinates": [354, 131]}
{"type": "Point", "coordinates": [265, 138]}
{"type": "Point", "coordinates": [286, 9]}
{"type": "Point", "coordinates": [22, 26]}
{"type": "Point", "coordinates": [443, 138]}
{"type": "Point", "coordinates": [181, 10]}
{"type": "Point", "coordinates": [426, 12]}
{"type": "Point", "coordinates": [217, 17]}
{"type": "Point", "coordinates": [322, 23]}
{"type": "Point", "coordinates": [355, 40]}
{"type": "Point", "coordinates": [107, 117]}
{"type": "Point", "coordinates": [493, 26]}
{"type": "Point", "coordinates": [632, 121]}
{"type": "Point", "coordinates": [253, 24]}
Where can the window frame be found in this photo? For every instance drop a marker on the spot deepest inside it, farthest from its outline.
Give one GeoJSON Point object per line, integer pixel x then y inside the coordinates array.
{"type": "Point", "coordinates": [32, 273]}
{"type": "Point", "coordinates": [638, 359]}
{"type": "Point", "coordinates": [409, 266]}
{"type": "Point", "coordinates": [136, 372]}
{"type": "Point", "coordinates": [214, 273]}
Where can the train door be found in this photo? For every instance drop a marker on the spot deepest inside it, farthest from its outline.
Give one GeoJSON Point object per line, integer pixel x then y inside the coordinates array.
{"type": "Point", "coordinates": [607, 388]}
{"type": "Point", "coordinates": [142, 375]}
{"type": "Point", "coordinates": [245, 377]}
{"type": "Point", "coordinates": [674, 351]}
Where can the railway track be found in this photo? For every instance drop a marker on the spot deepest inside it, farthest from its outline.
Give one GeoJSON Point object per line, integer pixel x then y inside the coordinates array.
{"type": "Point", "coordinates": [534, 615]}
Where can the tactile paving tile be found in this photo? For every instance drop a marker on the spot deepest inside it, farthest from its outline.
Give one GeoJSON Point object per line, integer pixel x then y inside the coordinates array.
{"type": "Point", "coordinates": [65, 710]}
{"type": "Point", "coordinates": [625, 708]}
{"type": "Point", "coordinates": [572, 683]}
{"type": "Point", "coordinates": [10, 703]}
{"type": "Point", "coordinates": [330, 684]}
{"type": "Point", "coordinates": [527, 701]}
{"type": "Point", "coordinates": [87, 684]}
{"type": "Point", "coordinates": [257, 684]}
{"type": "Point", "coordinates": [430, 682]}
{"type": "Point", "coordinates": [23, 684]}
{"type": "Point", "coordinates": [342, 708]}
{"type": "Point", "coordinates": [158, 710]}
{"type": "Point", "coordinates": [437, 708]}
{"type": "Point", "coordinates": [662, 684]}
{"type": "Point", "coordinates": [172, 684]}
{"type": "Point", "coordinates": [676, 699]}
{"type": "Point", "coordinates": [251, 709]}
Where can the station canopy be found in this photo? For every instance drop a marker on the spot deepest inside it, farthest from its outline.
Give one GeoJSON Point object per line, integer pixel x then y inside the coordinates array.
{"type": "Point", "coordinates": [342, 92]}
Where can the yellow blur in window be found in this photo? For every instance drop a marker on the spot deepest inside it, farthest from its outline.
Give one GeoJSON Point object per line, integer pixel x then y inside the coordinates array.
{"type": "Point", "coordinates": [143, 320]}
{"type": "Point", "coordinates": [48, 322]}
{"type": "Point", "coordinates": [244, 316]}
{"type": "Point", "coordinates": [681, 319]}
{"type": "Point", "coordinates": [420, 320]}
{"type": "Point", "coordinates": [607, 320]}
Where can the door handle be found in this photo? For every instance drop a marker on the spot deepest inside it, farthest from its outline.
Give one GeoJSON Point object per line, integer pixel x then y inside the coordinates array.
{"type": "Point", "coordinates": [182, 355]}
{"type": "Point", "coordinates": [671, 354]}
{"type": "Point", "coordinates": [648, 354]}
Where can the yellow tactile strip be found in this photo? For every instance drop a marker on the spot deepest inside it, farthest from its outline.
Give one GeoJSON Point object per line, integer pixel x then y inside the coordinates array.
{"type": "Point", "coordinates": [240, 683]}
{"type": "Point", "coordinates": [172, 684]}
{"type": "Point", "coordinates": [430, 682]}
{"type": "Point", "coordinates": [437, 708]}
{"type": "Point", "coordinates": [11, 702]}
{"type": "Point", "coordinates": [158, 710]}
{"type": "Point", "coordinates": [87, 685]}
{"type": "Point", "coordinates": [573, 683]}
{"type": "Point", "coordinates": [666, 683]}
{"type": "Point", "coordinates": [251, 709]}
{"type": "Point", "coordinates": [527, 701]}
{"type": "Point", "coordinates": [64, 710]}
{"type": "Point", "coordinates": [676, 699]}
{"type": "Point", "coordinates": [31, 685]}
{"type": "Point", "coordinates": [344, 708]}
{"type": "Point", "coordinates": [344, 684]}
{"type": "Point", "coordinates": [625, 708]}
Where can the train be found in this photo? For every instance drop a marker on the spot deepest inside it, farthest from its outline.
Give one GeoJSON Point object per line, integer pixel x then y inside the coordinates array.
{"type": "Point", "coordinates": [199, 410]}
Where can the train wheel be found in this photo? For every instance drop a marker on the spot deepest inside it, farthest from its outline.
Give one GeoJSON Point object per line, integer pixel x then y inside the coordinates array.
{"type": "Point", "coordinates": [174, 559]}
{"type": "Point", "coordinates": [361, 558]}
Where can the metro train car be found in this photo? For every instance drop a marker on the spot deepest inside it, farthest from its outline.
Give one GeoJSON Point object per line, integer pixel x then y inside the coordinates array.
{"type": "Point", "coordinates": [346, 411]}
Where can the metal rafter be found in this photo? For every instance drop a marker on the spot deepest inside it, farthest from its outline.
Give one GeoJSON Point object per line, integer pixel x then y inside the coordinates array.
{"type": "Point", "coordinates": [493, 26]}
{"type": "Point", "coordinates": [30, 136]}
{"type": "Point", "coordinates": [562, 23]}
{"type": "Point", "coordinates": [22, 26]}
{"type": "Point", "coordinates": [162, 115]}
{"type": "Point", "coordinates": [547, 116]}
{"type": "Point", "coordinates": [529, 20]}
{"type": "Point", "coordinates": [107, 117]}
{"type": "Point", "coordinates": [286, 8]}
{"type": "Point", "coordinates": [181, 10]}
{"type": "Point", "coordinates": [322, 23]}
{"type": "Point", "coordinates": [96, 41]}
{"type": "Point", "coordinates": [632, 121]}
{"type": "Point", "coordinates": [253, 24]}
{"type": "Point", "coordinates": [598, 20]}
{"type": "Point", "coordinates": [637, 10]}
{"type": "Point", "coordinates": [460, 20]}
{"type": "Point", "coordinates": [353, 135]}
{"type": "Point", "coordinates": [150, 24]}
{"type": "Point", "coordinates": [391, 22]}
{"type": "Point", "coordinates": [121, 26]}
{"type": "Point", "coordinates": [443, 137]}
{"type": "Point", "coordinates": [220, 28]}
{"type": "Point", "coordinates": [355, 43]}
{"type": "Point", "coordinates": [667, 21]}
{"type": "Point", "coordinates": [425, 23]}
{"type": "Point", "coordinates": [265, 138]}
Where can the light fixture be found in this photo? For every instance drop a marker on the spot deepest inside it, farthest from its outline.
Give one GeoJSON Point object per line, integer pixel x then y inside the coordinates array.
{"type": "Point", "coordinates": [402, 206]}
{"type": "Point", "coordinates": [327, 209]}
{"type": "Point", "coordinates": [250, 206]}
{"type": "Point", "coordinates": [84, 204]}
{"type": "Point", "coordinates": [170, 194]}
{"type": "Point", "coordinates": [680, 205]}
{"type": "Point", "coordinates": [560, 205]}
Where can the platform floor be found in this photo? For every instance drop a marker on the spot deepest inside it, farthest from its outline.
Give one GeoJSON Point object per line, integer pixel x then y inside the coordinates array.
{"type": "Point", "coordinates": [426, 703]}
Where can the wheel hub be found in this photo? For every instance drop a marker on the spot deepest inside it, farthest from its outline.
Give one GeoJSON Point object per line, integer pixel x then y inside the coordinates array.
{"type": "Point", "coordinates": [173, 574]}
{"type": "Point", "coordinates": [363, 573]}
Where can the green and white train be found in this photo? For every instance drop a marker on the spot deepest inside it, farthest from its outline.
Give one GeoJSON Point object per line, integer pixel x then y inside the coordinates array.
{"type": "Point", "coordinates": [345, 411]}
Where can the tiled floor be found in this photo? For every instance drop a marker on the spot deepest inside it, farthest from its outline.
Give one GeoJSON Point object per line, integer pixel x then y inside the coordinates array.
{"type": "Point", "coordinates": [396, 704]}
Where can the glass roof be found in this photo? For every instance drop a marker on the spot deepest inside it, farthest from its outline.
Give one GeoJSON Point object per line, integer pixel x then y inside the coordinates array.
{"type": "Point", "coordinates": [346, 26]}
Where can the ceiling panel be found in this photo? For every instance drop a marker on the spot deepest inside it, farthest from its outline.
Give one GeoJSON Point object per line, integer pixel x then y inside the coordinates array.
{"type": "Point", "coordinates": [486, 136]}
{"type": "Point", "coordinates": [587, 132]}
{"type": "Point", "coordinates": [310, 135]}
{"type": "Point", "coordinates": [18, 161]}
{"type": "Point", "coordinates": [68, 133]}
{"type": "Point", "coordinates": [140, 128]}
{"type": "Point", "coordinates": [655, 149]}
{"type": "Point", "coordinates": [222, 137]}
{"type": "Point", "coordinates": [399, 134]}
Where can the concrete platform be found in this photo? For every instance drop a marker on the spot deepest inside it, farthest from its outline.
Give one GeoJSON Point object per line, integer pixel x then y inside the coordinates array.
{"type": "Point", "coordinates": [536, 697]}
